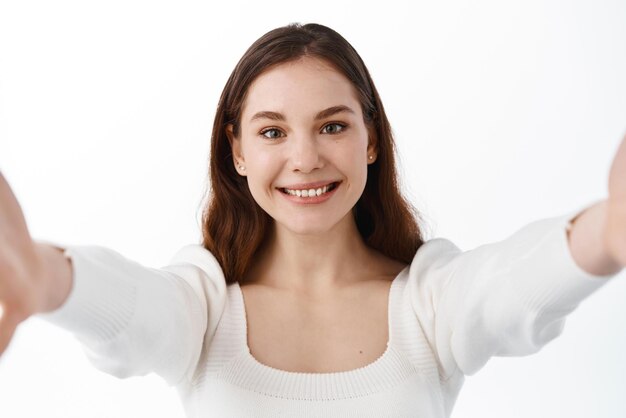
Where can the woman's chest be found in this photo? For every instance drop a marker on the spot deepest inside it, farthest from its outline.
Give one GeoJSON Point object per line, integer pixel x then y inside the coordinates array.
{"type": "Point", "coordinates": [302, 335]}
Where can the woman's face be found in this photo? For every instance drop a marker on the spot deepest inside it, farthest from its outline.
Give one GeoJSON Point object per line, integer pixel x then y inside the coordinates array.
{"type": "Point", "coordinates": [302, 132]}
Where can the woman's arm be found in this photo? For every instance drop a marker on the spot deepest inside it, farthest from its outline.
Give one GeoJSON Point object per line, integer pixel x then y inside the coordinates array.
{"type": "Point", "coordinates": [509, 298]}
{"type": "Point", "coordinates": [133, 319]}
{"type": "Point", "coordinates": [505, 298]}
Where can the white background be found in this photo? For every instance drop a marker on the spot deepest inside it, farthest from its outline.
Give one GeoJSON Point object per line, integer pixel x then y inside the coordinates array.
{"type": "Point", "coordinates": [504, 112]}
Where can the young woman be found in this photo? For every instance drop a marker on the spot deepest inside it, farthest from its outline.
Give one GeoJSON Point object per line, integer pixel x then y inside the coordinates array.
{"type": "Point", "coordinates": [313, 292]}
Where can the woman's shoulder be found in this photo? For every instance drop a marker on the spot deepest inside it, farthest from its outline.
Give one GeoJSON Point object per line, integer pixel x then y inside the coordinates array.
{"type": "Point", "coordinates": [199, 268]}
{"type": "Point", "coordinates": [198, 256]}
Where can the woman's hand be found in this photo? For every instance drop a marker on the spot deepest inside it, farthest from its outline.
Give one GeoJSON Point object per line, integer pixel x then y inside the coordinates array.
{"type": "Point", "coordinates": [21, 267]}
{"type": "Point", "coordinates": [615, 231]}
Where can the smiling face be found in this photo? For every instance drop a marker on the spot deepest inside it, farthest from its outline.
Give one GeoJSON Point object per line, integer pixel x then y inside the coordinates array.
{"type": "Point", "coordinates": [302, 128]}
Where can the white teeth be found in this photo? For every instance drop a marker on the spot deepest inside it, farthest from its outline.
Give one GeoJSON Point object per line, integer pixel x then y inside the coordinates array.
{"type": "Point", "coordinates": [309, 192]}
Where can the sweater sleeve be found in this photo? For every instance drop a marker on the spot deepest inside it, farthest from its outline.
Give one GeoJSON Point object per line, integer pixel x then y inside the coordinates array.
{"type": "Point", "coordinates": [133, 320]}
{"type": "Point", "coordinates": [507, 298]}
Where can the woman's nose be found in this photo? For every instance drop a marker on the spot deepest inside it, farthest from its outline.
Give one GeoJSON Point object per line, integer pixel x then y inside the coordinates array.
{"type": "Point", "coordinates": [305, 154]}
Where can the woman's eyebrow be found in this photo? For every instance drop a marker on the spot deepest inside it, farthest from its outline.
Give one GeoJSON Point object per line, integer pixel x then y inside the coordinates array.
{"type": "Point", "coordinates": [266, 114]}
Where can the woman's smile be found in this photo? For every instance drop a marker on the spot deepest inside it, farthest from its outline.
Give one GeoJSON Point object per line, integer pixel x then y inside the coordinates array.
{"type": "Point", "coordinates": [310, 196]}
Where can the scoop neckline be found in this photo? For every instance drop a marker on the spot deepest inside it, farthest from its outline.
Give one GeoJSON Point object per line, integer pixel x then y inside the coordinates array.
{"type": "Point", "coordinates": [371, 365]}
{"type": "Point", "coordinates": [390, 369]}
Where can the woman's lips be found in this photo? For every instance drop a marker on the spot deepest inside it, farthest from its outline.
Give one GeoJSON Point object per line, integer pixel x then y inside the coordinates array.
{"type": "Point", "coordinates": [312, 199]}
{"type": "Point", "coordinates": [307, 186]}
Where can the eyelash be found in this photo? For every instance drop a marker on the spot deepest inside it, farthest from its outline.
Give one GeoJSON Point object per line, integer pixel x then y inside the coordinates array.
{"type": "Point", "coordinates": [343, 129]}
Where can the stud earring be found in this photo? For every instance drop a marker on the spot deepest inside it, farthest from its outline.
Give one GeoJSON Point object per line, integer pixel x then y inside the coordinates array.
{"type": "Point", "coordinates": [242, 168]}
{"type": "Point", "coordinates": [371, 158]}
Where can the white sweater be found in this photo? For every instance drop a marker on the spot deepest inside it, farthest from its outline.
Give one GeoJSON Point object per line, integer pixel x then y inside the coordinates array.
{"type": "Point", "coordinates": [449, 312]}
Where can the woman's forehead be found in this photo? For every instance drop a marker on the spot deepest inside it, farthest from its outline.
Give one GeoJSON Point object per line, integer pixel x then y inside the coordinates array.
{"type": "Point", "coordinates": [306, 86]}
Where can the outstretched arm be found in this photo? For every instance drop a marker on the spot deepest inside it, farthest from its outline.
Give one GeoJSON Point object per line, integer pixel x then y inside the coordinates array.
{"type": "Point", "coordinates": [511, 297]}
{"type": "Point", "coordinates": [597, 237]}
{"type": "Point", "coordinates": [131, 319]}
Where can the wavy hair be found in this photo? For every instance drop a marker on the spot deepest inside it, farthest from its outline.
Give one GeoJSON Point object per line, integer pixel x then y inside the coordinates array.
{"type": "Point", "coordinates": [234, 226]}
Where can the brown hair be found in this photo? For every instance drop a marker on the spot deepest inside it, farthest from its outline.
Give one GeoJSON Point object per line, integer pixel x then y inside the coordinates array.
{"type": "Point", "coordinates": [233, 224]}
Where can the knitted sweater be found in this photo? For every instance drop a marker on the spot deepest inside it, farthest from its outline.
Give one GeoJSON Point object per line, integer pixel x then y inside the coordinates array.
{"type": "Point", "coordinates": [449, 312]}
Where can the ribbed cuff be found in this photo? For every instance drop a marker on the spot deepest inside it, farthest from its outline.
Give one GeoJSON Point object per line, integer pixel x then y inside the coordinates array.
{"type": "Point", "coordinates": [568, 283]}
{"type": "Point", "coordinates": [101, 303]}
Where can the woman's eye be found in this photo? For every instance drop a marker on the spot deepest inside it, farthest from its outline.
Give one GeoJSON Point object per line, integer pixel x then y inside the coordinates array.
{"type": "Point", "coordinates": [331, 128]}
{"type": "Point", "coordinates": [335, 130]}
{"type": "Point", "coordinates": [271, 136]}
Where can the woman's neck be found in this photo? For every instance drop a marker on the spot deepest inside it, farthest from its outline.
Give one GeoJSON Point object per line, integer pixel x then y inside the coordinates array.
{"type": "Point", "coordinates": [313, 263]}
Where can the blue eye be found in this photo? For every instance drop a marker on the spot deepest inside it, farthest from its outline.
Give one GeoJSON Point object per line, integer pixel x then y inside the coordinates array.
{"type": "Point", "coordinates": [270, 130]}
{"type": "Point", "coordinates": [334, 131]}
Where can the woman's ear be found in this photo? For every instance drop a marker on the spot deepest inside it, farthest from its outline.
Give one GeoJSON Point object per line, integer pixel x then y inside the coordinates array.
{"type": "Point", "coordinates": [372, 146]}
{"type": "Point", "coordinates": [235, 146]}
